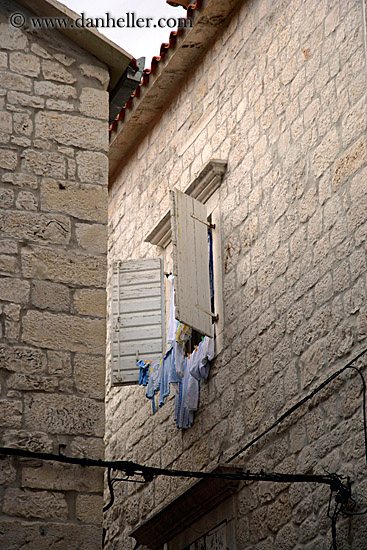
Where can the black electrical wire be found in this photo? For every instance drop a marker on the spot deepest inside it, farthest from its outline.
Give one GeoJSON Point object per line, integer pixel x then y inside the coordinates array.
{"type": "Point", "coordinates": [307, 398]}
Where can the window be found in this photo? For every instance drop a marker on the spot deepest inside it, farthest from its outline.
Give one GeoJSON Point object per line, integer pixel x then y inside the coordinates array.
{"type": "Point", "coordinates": [137, 330]}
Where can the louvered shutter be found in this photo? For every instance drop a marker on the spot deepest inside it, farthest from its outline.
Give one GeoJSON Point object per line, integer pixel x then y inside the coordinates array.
{"type": "Point", "coordinates": [191, 262]}
{"type": "Point", "coordinates": [137, 317]}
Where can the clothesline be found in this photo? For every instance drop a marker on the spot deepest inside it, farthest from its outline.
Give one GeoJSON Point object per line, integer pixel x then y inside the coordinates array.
{"type": "Point", "coordinates": [178, 369]}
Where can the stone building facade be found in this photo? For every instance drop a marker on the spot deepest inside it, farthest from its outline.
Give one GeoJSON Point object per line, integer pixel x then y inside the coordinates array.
{"type": "Point", "coordinates": [53, 196]}
{"type": "Point", "coordinates": [277, 91]}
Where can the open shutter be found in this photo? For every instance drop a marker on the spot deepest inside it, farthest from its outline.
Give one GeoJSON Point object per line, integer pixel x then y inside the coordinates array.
{"type": "Point", "coordinates": [137, 330]}
{"type": "Point", "coordinates": [191, 262]}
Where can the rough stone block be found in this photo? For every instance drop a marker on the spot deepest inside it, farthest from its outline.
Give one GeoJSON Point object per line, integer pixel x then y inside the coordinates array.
{"type": "Point", "coordinates": [99, 73]}
{"type": "Point", "coordinates": [78, 200]}
{"type": "Point", "coordinates": [21, 180]}
{"type": "Point", "coordinates": [325, 153]}
{"type": "Point", "coordinates": [59, 91]}
{"type": "Point", "coordinates": [23, 124]}
{"type": "Point", "coordinates": [89, 375]}
{"type": "Point", "coordinates": [64, 414]}
{"type": "Point", "coordinates": [64, 332]}
{"type": "Point", "coordinates": [15, 82]}
{"type": "Point", "coordinates": [25, 64]}
{"type": "Point", "coordinates": [10, 413]}
{"type": "Point", "coordinates": [44, 163]}
{"type": "Point", "coordinates": [72, 130]}
{"type": "Point", "coordinates": [8, 159]}
{"type": "Point", "coordinates": [8, 265]}
{"type": "Point", "coordinates": [6, 198]}
{"type": "Point", "coordinates": [52, 70]}
{"type": "Point", "coordinates": [63, 477]}
{"type": "Point", "coordinates": [92, 167]}
{"type": "Point", "coordinates": [36, 227]}
{"type": "Point", "coordinates": [22, 359]}
{"type": "Point", "coordinates": [59, 363]}
{"type": "Point", "coordinates": [12, 38]}
{"type": "Point", "coordinates": [47, 295]}
{"type": "Point", "coordinates": [26, 201]}
{"type": "Point", "coordinates": [8, 472]}
{"type": "Point", "coordinates": [14, 290]}
{"type": "Point", "coordinates": [32, 382]}
{"type": "Point", "coordinates": [60, 105]}
{"type": "Point", "coordinates": [92, 238]}
{"type": "Point", "coordinates": [94, 103]}
{"type": "Point", "coordinates": [43, 536]}
{"type": "Point", "coordinates": [25, 100]}
{"type": "Point", "coordinates": [64, 266]}
{"type": "Point", "coordinates": [90, 302]}
{"type": "Point", "coordinates": [88, 447]}
{"type": "Point", "coordinates": [349, 162]}
{"type": "Point", "coordinates": [6, 122]}
{"type": "Point", "coordinates": [35, 504]}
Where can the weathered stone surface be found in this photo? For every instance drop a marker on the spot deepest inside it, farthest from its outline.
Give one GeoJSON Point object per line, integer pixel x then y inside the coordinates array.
{"type": "Point", "coordinates": [6, 122]}
{"type": "Point", "coordinates": [81, 201]}
{"type": "Point", "coordinates": [63, 266]}
{"type": "Point", "coordinates": [59, 91]}
{"type": "Point", "coordinates": [61, 331]}
{"type": "Point", "coordinates": [21, 180]}
{"type": "Point", "coordinates": [22, 359]}
{"type": "Point", "coordinates": [32, 382]}
{"type": "Point", "coordinates": [59, 363]}
{"type": "Point", "coordinates": [26, 64]}
{"type": "Point", "coordinates": [23, 124]}
{"type": "Point", "coordinates": [47, 295]}
{"type": "Point", "coordinates": [89, 508]}
{"type": "Point", "coordinates": [64, 414]}
{"type": "Point", "coordinates": [14, 290]}
{"type": "Point", "coordinates": [347, 164]}
{"type": "Point", "coordinates": [12, 38]}
{"type": "Point", "coordinates": [94, 103]}
{"type": "Point", "coordinates": [93, 71]}
{"type": "Point", "coordinates": [6, 198]}
{"type": "Point", "coordinates": [8, 159]}
{"type": "Point", "coordinates": [10, 413]}
{"type": "Point", "coordinates": [26, 201]}
{"type": "Point", "coordinates": [43, 536]}
{"type": "Point", "coordinates": [36, 227]}
{"type": "Point", "coordinates": [25, 100]}
{"type": "Point", "coordinates": [63, 477]}
{"type": "Point", "coordinates": [90, 302]}
{"type": "Point", "coordinates": [37, 442]}
{"type": "Point", "coordinates": [89, 375]}
{"type": "Point", "coordinates": [44, 163]}
{"type": "Point", "coordinates": [16, 82]}
{"type": "Point", "coordinates": [92, 237]}
{"type": "Point", "coordinates": [8, 472]}
{"type": "Point", "coordinates": [35, 504]}
{"type": "Point", "coordinates": [88, 447]}
{"type": "Point", "coordinates": [8, 265]}
{"type": "Point", "coordinates": [52, 70]}
{"type": "Point", "coordinates": [81, 132]}
{"type": "Point", "coordinates": [92, 167]}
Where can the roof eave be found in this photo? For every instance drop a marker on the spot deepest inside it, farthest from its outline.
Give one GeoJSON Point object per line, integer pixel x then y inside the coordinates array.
{"type": "Point", "coordinates": [154, 94]}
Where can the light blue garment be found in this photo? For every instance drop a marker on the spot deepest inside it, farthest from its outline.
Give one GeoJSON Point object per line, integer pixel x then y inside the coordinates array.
{"type": "Point", "coordinates": [168, 375]}
{"type": "Point", "coordinates": [154, 381]}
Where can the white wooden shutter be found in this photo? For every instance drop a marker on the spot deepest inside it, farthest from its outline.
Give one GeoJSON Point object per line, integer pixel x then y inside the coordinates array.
{"type": "Point", "coordinates": [191, 262]}
{"type": "Point", "coordinates": [137, 317]}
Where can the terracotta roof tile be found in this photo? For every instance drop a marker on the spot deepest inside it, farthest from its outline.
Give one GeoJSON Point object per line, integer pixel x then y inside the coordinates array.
{"type": "Point", "coordinates": [165, 47]}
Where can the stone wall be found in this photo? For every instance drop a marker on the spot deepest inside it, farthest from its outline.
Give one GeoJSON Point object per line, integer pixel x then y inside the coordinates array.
{"type": "Point", "coordinates": [282, 96]}
{"type": "Point", "coordinates": [53, 196]}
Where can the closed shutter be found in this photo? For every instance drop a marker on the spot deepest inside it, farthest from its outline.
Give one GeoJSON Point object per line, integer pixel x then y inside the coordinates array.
{"type": "Point", "coordinates": [137, 330]}
{"type": "Point", "coordinates": [191, 262]}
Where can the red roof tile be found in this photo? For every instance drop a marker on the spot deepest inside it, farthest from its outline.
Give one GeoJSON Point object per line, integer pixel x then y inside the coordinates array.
{"type": "Point", "coordinates": [170, 45]}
